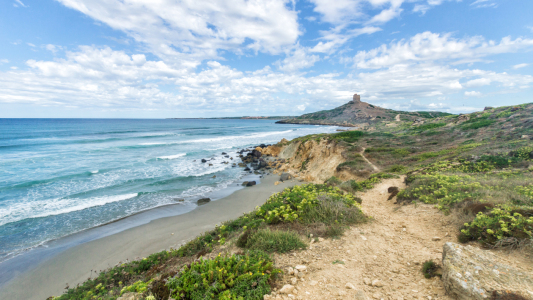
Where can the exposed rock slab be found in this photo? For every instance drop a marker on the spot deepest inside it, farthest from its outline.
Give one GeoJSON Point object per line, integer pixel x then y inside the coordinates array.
{"type": "Point", "coordinates": [471, 273]}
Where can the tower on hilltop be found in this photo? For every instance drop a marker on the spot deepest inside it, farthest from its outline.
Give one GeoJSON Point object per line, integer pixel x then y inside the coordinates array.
{"type": "Point", "coordinates": [356, 98]}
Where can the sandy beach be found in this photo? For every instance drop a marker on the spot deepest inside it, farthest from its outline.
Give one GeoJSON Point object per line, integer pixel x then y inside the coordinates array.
{"type": "Point", "coordinates": [74, 265]}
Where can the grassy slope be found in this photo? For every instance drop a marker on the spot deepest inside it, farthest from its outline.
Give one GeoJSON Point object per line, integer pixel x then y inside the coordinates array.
{"type": "Point", "coordinates": [463, 166]}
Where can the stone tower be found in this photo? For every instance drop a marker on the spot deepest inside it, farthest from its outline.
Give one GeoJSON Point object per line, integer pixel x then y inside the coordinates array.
{"type": "Point", "coordinates": [356, 98]}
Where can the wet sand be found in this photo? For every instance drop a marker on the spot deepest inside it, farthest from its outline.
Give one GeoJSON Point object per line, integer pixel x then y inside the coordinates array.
{"type": "Point", "coordinates": [74, 265]}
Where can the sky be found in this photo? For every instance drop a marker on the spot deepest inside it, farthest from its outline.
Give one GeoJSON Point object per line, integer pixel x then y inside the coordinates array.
{"type": "Point", "coordinates": [220, 58]}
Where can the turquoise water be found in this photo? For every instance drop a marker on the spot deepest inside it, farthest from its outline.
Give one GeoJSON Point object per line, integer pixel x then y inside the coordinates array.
{"type": "Point", "coordinates": [61, 176]}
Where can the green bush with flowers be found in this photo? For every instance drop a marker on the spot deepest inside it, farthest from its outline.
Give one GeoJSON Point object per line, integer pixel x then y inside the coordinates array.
{"type": "Point", "coordinates": [502, 222]}
{"type": "Point", "coordinates": [225, 278]}
{"type": "Point", "coordinates": [291, 203]}
{"type": "Point", "coordinates": [440, 189]}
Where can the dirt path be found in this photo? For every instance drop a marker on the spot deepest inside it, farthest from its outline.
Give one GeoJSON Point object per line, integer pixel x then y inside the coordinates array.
{"type": "Point", "coordinates": [381, 259]}
{"type": "Point", "coordinates": [369, 162]}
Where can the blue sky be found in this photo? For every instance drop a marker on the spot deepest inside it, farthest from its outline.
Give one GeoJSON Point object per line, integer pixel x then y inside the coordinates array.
{"type": "Point", "coordinates": [162, 58]}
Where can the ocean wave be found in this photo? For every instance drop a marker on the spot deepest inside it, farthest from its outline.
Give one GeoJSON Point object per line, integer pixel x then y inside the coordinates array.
{"type": "Point", "coordinates": [41, 209]}
{"type": "Point", "coordinates": [172, 156]}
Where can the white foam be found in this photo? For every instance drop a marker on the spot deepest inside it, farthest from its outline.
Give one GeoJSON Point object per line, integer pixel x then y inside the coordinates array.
{"type": "Point", "coordinates": [94, 172]}
{"type": "Point", "coordinates": [172, 156]}
{"type": "Point", "coordinates": [53, 207]}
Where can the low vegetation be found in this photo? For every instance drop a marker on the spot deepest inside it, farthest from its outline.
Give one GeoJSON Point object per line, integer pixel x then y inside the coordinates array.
{"type": "Point", "coordinates": [280, 225]}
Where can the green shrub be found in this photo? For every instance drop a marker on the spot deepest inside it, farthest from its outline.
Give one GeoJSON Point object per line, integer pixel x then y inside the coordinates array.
{"type": "Point", "coordinates": [333, 181]}
{"type": "Point", "coordinates": [137, 287]}
{"type": "Point", "coordinates": [382, 175]}
{"type": "Point", "coordinates": [429, 126]}
{"type": "Point", "coordinates": [291, 203]}
{"type": "Point", "coordinates": [365, 184]}
{"type": "Point", "coordinates": [429, 269]}
{"type": "Point", "coordinates": [348, 136]}
{"type": "Point", "coordinates": [234, 277]}
{"type": "Point", "coordinates": [523, 152]}
{"type": "Point", "coordinates": [274, 241]}
{"type": "Point", "coordinates": [500, 223]}
{"type": "Point", "coordinates": [333, 210]}
{"type": "Point", "coordinates": [397, 169]}
{"type": "Point", "coordinates": [443, 190]}
{"type": "Point", "coordinates": [478, 124]}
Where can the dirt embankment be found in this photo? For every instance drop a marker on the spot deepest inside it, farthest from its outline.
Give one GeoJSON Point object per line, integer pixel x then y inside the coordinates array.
{"type": "Point", "coordinates": [311, 161]}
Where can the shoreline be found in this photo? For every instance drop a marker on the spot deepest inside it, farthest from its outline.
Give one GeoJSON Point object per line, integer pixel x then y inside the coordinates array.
{"type": "Point", "coordinates": [48, 276]}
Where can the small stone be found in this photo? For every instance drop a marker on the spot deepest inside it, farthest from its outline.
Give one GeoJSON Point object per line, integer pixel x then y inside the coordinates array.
{"type": "Point", "coordinates": [376, 296]}
{"type": "Point", "coordinates": [301, 268]}
{"type": "Point", "coordinates": [294, 281]}
{"type": "Point", "coordinates": [290, 270]}
{"type": "Point", "coordinates": [286, 289]}
{"type": "Point", "coordinates": [350, 286]}
{"type": "Point", "coordinates": [367, 281]}
{"type": "Point", "coordinates": [363, 238]}
{"type": "Point", "coordinates": [301, 275]}
{"type": "Point", "coordinates": [360, 295]}
{"type": "Point", "coordinates": [320, 239]}
{"type": "Point", "coordinates": [295, 272]}
{"type": "Point", "coordinates": [313, 282]}
{"type": "Point", "coordinates": [435, 238]}
{"type": "Point", "coordinates": [377, 283]}
{"type": "Point", "coordinates": [267, 297]}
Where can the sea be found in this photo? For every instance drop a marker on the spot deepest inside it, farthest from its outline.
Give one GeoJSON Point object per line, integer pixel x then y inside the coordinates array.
{"type": "Point", "coordinates": [63, 176]}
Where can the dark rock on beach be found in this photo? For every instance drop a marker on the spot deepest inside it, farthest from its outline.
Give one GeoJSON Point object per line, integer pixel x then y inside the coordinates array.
{"type": "Point", "coordinates": [204, 160]}
{"type": "Point", "coordinates": [251, 183]}
{"type": "Point", "coordinates": [203, 201]}
{"type": "Point", "coordinates": [285, 176]}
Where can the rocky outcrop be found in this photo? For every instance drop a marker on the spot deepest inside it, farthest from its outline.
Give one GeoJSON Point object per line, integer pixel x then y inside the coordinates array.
{"type": "Point", "coordinates": [471, 273]}
{"type": "Point", "coordinates": [313, 161]}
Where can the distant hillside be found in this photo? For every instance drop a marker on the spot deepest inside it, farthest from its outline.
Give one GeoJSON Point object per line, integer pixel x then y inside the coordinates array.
{"type": "Point", "coordinates": [356, 113]}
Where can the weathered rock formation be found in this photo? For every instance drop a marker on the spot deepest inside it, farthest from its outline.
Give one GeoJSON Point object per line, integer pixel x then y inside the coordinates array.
{"type": "Point", "coordinates": [471, 273]}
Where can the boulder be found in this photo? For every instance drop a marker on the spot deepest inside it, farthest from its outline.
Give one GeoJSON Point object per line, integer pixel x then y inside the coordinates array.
{"type": "Point", "coordinates": [203, 201]}
{"type": "Point", "coordinates": [204, 160]}
{"type": "Point", "coordinates": [285, 176]}
{"type": "Point", "coordinates": [251, 183]}
{"type": "Point", "coordinates": [256, 153]}
{"type": "Point", "coordinates": [244, 183]}
{"type": "Point", "coordinates": [472, 273]}
{"type": "Point", "coordinates": [262, 164]}
{"type": "Point", "coordinates": [224, 153]}
{"type": "Point", "coordinates": [246, 169]}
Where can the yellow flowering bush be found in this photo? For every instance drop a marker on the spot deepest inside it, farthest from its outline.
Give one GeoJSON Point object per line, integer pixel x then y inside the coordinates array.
{"type": "Point", "coordinates": [289, 204]}
{"type": "Point", "coordinates": [502, 222]}
{"type": "Point", "coordinates": [440, 189]}
{"type": "Point", "coordinates": [234, 277]}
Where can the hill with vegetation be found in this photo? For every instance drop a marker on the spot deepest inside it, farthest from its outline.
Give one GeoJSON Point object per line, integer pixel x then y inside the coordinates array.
{"type": "Point", "coordinates": [356, 113]}
{"type": "Point", "coordinates": [476, 167]}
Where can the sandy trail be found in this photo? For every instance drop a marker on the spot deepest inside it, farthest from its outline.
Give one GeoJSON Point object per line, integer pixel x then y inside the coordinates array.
{"type": "Point", "coordinates": [369, 162]}
{"type": "Point", "coordinates": [391, 248]}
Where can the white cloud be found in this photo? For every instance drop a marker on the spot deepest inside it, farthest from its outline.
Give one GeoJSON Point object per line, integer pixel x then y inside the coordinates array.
{"type": "Point", "coordinates": [519, 66]}
{"type": "Point", "coordinates": [428, 46]}
{"type": "Point", "coordinates": [484, 3]}
{"type": "Point", "coordinates": [19, 2]}
{"type": "Point", "coordinates": [297, 59]}
{"type": "Point", "coordinates": [31, 45]}
{"type": "Point", "coordinates": [52, 48]}
{"type": "Point", "coordinates": [104, 78]}
{"type": "Point", "coordinates": [333, 39]}
{"type": "Point", "coordinates": [4, 61]}
{"type": "Point", "coordinates": [472, 94]}
{"type": "Point", "coordinates": [196, 30]}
